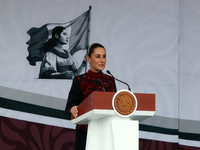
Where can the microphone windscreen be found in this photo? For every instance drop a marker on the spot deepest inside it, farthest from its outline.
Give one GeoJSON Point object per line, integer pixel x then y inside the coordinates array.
{"type": "Point", "coordinates": [108, 71]}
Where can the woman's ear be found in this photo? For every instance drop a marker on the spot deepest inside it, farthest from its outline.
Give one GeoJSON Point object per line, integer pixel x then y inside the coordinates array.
{"type": "Point", "coordinates": [88, 58]}
{"type": "Point", "coordinates": [56, 36]}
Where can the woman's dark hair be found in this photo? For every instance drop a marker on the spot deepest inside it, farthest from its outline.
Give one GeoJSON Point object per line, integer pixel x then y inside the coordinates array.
{"type": "Point", "coordinates": [52, 42]}
{"type": "Point", "coordinates": [92, 47]}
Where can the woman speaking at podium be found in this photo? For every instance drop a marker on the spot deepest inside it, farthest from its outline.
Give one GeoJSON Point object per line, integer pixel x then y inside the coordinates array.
{"type": "Point", "coordinates": [83, 85]}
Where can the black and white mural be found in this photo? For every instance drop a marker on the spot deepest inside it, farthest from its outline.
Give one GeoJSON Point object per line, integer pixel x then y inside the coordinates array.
{"type": "Point", "coordinates": [55, 44]}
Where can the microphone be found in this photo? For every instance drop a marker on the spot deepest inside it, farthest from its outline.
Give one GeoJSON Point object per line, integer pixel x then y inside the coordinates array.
{"type": "Point", "coordinates": [118, 79]}
{"type": "Point", "coordinates": [101, 81]}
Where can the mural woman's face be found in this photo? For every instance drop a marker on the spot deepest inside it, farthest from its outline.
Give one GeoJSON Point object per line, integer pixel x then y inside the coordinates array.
{"type": "Point", "coordinates": [63, 39]}
{"type": "Point", "coordinates": [97, 60]}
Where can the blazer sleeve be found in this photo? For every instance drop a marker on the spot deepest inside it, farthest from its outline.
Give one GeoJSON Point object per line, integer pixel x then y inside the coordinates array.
{"type": "Point", "coordinates": [73, 96]}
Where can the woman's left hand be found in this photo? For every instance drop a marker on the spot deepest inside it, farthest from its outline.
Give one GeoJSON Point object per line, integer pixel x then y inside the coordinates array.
{"type": "Point", "coordinates": [69, 74]}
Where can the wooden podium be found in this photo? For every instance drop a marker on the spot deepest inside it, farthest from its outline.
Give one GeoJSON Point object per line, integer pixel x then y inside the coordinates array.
{"type": "Point", "coordinates": [106, 129]}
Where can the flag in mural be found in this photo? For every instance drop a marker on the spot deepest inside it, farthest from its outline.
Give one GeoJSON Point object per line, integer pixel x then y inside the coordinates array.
{"type": "Point", "coordinates": [77, 29]}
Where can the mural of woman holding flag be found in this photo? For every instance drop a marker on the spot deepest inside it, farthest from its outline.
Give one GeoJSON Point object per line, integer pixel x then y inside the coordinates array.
{"type": "Point", "coordinates": [55, 45]}
{"type": "Point", "coordinates": [58, 63]}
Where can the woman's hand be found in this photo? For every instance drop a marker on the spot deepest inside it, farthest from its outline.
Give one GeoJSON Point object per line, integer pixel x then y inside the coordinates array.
{"type": "Point", "coordinates": [68, 74]}
{"type": "Point", "coordinates": [74, 111]}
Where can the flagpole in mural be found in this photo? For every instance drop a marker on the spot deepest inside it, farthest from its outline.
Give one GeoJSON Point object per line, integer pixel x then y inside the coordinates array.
{"type": "Point", "coordinates": [89, 23]}
{"type": "Point", "coordinates": [78, 31]}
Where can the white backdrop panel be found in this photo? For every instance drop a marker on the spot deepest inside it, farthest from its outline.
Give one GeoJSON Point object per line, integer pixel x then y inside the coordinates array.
{"type": "Point", "coordinates": [141, 38]}
{"type": "Point", "coordinates": [189, 99]}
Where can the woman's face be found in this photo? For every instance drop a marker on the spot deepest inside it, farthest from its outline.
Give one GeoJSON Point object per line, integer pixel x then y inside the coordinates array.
{"type": "Point", "coordinates": [97, 60]}
{"type": "Point", "coordinates": [63, 39]}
